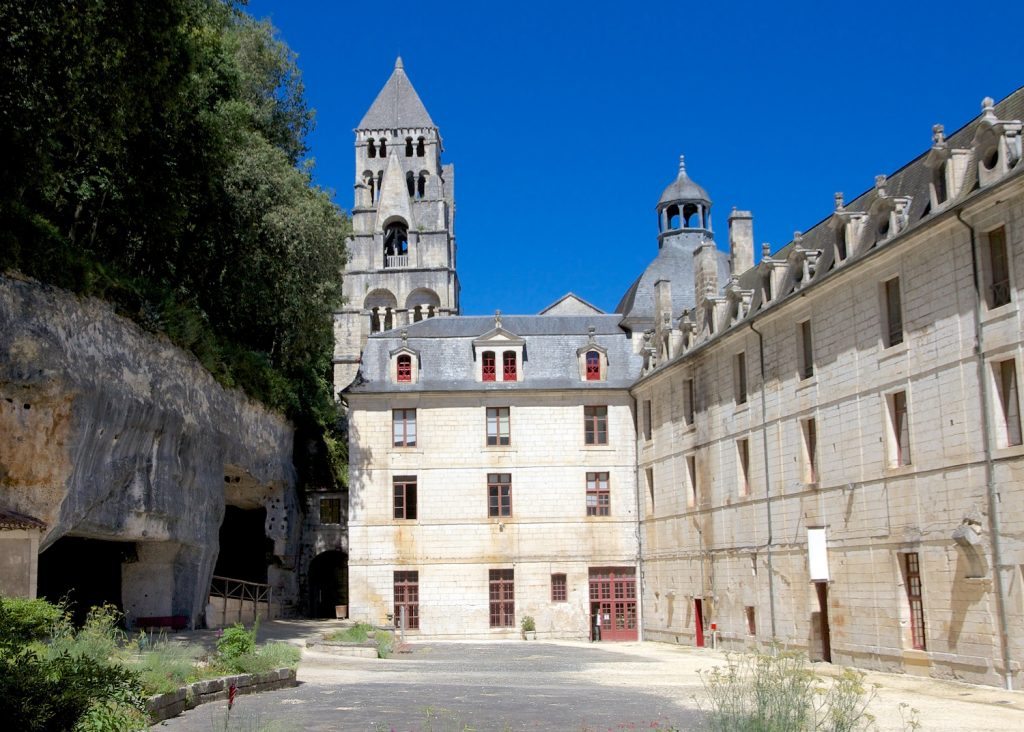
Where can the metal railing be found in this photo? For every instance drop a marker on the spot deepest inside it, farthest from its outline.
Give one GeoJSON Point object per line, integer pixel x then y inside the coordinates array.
{"type": "Point", "coordinates": [396, 260]}
{"type": "Point", "coordinates": [254, 593]}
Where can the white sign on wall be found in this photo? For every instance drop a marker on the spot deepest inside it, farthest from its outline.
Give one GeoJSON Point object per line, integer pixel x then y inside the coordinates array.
{"type": "Point", "coordinates": [817, 555]}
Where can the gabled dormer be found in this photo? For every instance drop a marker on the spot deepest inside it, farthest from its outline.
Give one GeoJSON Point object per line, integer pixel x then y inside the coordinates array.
{"type": "Point", "coordinates": [499, 354]}
{"type": "Point", "coordinates": [592, 359]}
{"type": "Point", "coordinates": [948, 167]}
{"type": "Point", "coordinates": [738, 299]}
{"type": "Point", "coordinates": [997, 144]}
{"type": "Point", "coordinates": [404, 363]}
{"type": "Point", "coordinates": [888, 215]}
{"type": "Point", "coordinates": [847, 230]}
{"type": "Point", "coordinates": [801, 265]}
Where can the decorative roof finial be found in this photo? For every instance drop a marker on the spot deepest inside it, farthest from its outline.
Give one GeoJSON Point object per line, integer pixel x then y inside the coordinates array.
{"type": "Point", "coordinates": [938, 134]}
{"type": "Point", "coordinates": [590, 333]}
{"type": "Point", "coordinates": [988, 107]}
{"type": "Point", "coordinates": [497, 318]}
{"type": "Point", "coordinates": [798, 237]}
{"type": "Point", "coordinates": [766, 250]}
{"type": "Point", "coordinates": [399, 64]}
{"type": "Point", "coordinates": [682, 165]}
{"type": "Point", "coordinates": [405, 337]}
{"type": "Point", "coordinates": [840, 204]}
{"type": "Point", "coordinates": [880, 184]}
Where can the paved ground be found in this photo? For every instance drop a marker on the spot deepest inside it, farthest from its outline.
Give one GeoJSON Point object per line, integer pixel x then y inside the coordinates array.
{"type": "Point", "coordinates": [515, 685]}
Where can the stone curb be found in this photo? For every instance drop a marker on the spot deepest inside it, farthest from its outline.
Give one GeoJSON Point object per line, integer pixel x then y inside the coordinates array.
{"type": "Point", "coordinates": [173, 703]}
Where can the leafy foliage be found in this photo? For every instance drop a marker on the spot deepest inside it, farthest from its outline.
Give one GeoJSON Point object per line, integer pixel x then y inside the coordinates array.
{"type": "Point", "coordinates": [23, 620]}
{"type": "Point", "coordinates": [154, 157]}
{"type": "Point", "coordinates": [235, 641]}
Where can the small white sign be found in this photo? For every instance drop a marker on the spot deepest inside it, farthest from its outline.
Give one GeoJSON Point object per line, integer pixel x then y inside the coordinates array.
{"type": "Point", "coordinates": [817, 555]}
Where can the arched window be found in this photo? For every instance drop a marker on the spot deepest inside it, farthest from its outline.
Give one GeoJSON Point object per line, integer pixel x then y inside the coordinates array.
{"type": "Point", "coordinates": [672, 216]}
{"type": "Point", "coordinates": [593, 366]}
{"type": "Point", "coordinates": [368, 182]}
{"type": "Point", "coordinates": [405, 367]}
{"type": "Point", "coordinates": [508, 363]}
{"type": "Point", "coordinates": [383, 148]}
{"type": "Point", "coordinates": [375, 320]}
{"type": "Point", "coordinates": [692, 217]}
{"type": "Point", "coordinates": [421, 147]}
{"type": "Point", "coordinates": [380, 180]}
{"type": "Point", "coordinates": [396, 244]}
{"type": "Point", "coordinates": [389, 316]}
{"type": "Point", "coordinates": [488, 371]}
{"type": "Point", "coordinates": [371, 151]}
{"type": "Point", "coordinates": [422, 186]}
{"type": "Point", "coordinates": [410, 182]}
{"type": "Point", "coordinates": [408, 147]}
{"type": "Point", "coordinates": [417, 314]}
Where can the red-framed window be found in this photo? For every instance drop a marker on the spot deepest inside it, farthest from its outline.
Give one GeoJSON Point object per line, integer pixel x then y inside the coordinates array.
{"type": "Point", "coordinates": [499, 494]}
{"type": "Point", "coordinates": [914, 599]}
{"type": "Point", "coordinates": [404, 496]}
{"type": "Point", "coordinates": [407, 598]}
{"type": "Point", "coordinates": [403, 427]}
{"type": "Point", "coordinates": [558, 588]}
{"type": "Point", "coordinates": [503, 598]}
{"type": "Point", "coordinates": [599, 498]}
{"type": "Point", "coordinates": [595, 425]}
{"type": "Point", "coordinates": [498, 429]}
{"type": "Point", "coordinates": [488, 366]}
{"type": "Point", "coordinates": [405, 367]}
{"type": "Point", "coordinates": [593, 366]}
{"type": "Point", "coordinates": [508, 364]}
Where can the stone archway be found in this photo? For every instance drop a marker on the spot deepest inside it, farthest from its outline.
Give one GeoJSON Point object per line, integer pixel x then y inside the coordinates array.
{"type": "Point", "coordinates": [328, 583]}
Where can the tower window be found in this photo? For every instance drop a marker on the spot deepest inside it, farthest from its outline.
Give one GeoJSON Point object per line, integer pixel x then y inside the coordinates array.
{"type": "Point", "coordinates": [508, 362]}
{"type": "Point", "coordinates": [672, 216]}
{"type": "Point", "coordinates": [408, 147]}
{"type": "Point", "coordinates": [420, 147]}
{"type": "Point", "coordinates": [371, 149]}
{"type": "Point", "coordinates": [405, 368]}
{"type": "Point", "coordinates": [593, 366]}
{"type": "Point", "coordinates": [410, 183]}
{"type": "Point", "coordinates": [383, 148]}
{"type": "Point", "coordinates": [692, 216]}
{"type": "Point", "coordinates": [396, 245]}
{"type": "Point", "coordinates": [421, 188]}
{"type": "Point", "coordinates": [489, 370]}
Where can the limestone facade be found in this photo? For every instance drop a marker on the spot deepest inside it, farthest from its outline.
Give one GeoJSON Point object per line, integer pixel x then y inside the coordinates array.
{"type": "Point", "coordinates": [834, 457]}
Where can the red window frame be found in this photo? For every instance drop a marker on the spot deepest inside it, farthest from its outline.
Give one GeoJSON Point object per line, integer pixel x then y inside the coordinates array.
{"type": "Point", "coordinates": [559, 593]}
{"type": "Point", "coordinates": [508, 366]}
{"type": "Point", "coordinates": [405, 368]}
{"type": "Point", "coordinates": [914, 600]}
{"type": "Point", "coordinates": [403, 427]}
{"type": "Point", "coordinates": [593, 366]}
{"type": "Point", "coordinates": [599, 497]}
{"type": "Point", "coordinates": [488, 368]}
{"type": "Point", "coordinates": [502, 598]}
{"type": "Point", "coordinates": [407, 595]}
{"type": "Point", "coordinates": [404, 492]}
{"type": "Point", "coordinates": [499, 495]}
{"type": "Point", "coordinates": [595, 425]}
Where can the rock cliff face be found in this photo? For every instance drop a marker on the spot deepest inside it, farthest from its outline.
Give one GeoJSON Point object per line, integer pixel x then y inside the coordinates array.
{"type": "Point", "coordinates": [108, 432]}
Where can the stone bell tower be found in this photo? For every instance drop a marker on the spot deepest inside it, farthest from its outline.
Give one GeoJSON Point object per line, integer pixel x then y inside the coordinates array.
{"type": "Point", "coordinates": [401, 255]}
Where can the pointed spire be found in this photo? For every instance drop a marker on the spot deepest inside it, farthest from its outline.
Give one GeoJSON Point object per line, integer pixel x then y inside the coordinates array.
{"type": "Point", "coordinates": [682, 165]}
{"type": "Point", "coordinates": [394, 195]}
{"type": "Point", "coordinates": [397, 106]}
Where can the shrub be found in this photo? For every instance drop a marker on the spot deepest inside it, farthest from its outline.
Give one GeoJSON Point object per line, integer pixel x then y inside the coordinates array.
{"type": "Point", "coordinates": [23, 621]}
{"type": "Point", "coordinates": [236, 641]}
{"type": "Point", "coordinates": [777, 692]}
{"type": "Point", "coordinates": [267, 658]}
{"type": "Point", "coordinates": [358, 633]}
{"type": "Point", "coordinates": [385, 643]}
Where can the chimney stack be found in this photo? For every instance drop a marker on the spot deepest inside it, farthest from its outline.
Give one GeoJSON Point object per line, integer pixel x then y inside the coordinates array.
{"type": "Point", "coordinates": [741, 241]}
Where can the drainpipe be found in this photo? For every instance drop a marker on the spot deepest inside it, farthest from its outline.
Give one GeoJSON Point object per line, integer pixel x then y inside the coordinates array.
{"type": "Point", "coordinates": [994, 522]}
{"type": "Point", "coordinates": [639, 533]}
{"type": "Point", "coordinates": [767, 480]}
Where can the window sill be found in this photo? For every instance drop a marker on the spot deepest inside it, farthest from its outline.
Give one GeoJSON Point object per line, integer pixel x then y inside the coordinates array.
{"type": "Point", "coordinates": [599, 448]}
{"type": "Point", "coordinates": [897, 470]}
{"type": "Point", "coordinates": [1008, 451]}
{"type": "Point", "coordinates": [742, 407]}
{"type": "Point", "coordinates": [407, 450]}
{"type": "Point", "coordinates": [500, 448]}
{"type": "Point", "coordinates": [1000, 313]}
{"type": "Point", "coordinates": [807, 383]}
{"type": "Point", "coordinates": [890, 352]}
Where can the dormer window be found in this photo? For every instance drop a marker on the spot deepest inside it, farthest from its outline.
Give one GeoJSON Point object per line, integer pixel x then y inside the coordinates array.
{"type": "Point", "coordinates": [939, 182]}
{"type": "Point", "coordinates": [405, 368]}
{"type": "Point", "coordinates": [841, 243]}
{"type": "Point", "coordinates": [593, 366]}
{"type": "Point", "coordinates": [508, 363]}
{"type": "Point", "coordinates": [489, 372]}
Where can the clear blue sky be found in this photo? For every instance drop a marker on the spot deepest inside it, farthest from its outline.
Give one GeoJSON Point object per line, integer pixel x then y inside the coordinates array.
{"type": "Point", "coordinates": [565, 120]}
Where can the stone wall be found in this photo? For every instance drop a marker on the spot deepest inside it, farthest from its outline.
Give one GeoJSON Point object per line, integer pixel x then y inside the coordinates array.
{"type": "Point", "coordinates": [109, 432]}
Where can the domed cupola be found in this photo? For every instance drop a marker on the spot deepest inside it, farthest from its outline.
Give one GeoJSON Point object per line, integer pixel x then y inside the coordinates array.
{"type": "Point", "coordinates": [684, 207]}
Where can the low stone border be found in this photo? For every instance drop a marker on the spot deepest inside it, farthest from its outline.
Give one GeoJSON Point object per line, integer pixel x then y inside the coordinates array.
{"type": "Point", "coordinates": [173, 703]}
{"type": "Point", "coordinates": [364, 649]}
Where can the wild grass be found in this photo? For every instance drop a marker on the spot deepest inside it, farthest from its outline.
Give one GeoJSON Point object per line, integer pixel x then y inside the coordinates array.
{"type": "Point", "coordinates": [358, 633]}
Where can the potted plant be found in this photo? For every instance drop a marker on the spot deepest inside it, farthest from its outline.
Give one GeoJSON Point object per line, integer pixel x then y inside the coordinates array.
{"type": "Point", "coordinates": [528, 626]}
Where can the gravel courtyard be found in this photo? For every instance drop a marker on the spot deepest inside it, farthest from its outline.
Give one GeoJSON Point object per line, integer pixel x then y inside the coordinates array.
{"type": "Point", "coordinates": [539, 685]}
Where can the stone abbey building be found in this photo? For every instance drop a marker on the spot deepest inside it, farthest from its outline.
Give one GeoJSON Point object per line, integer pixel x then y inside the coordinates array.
{"type": "Point", "coordinates": [821, 447]}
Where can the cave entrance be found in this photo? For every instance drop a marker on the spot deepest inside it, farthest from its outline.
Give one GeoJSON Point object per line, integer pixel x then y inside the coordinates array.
{"type": "Point", "coordinates": [245, 551]}
{"type": "Point", "coordinates": [328, 583]}
{"type": "Point", "coordinates": [86, 572]}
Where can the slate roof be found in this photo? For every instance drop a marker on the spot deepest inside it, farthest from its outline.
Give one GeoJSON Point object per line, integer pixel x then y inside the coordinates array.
{"type": "Point", "coordinates": [570, 299]}
{"type": "Point", "coordinates": [397, 106]}
{"type": "Point", "coordinates": [14, 520]}
{"type": "Point", "coordinates": [683, 188]}
{"type": "Point", "coordinates": [910, 180]}
{"type": "Point", "coordinates": [673, 263]}
{"type": "Point", "coordinates": [445, 347]}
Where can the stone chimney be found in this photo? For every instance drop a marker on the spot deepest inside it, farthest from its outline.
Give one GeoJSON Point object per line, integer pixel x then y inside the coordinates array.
{"type": "Point", "coordinates": [663, 319]}
{"type": "Point", "coordinates": [741, 241]}
{"type": "Point", "coordinates": [705, 272]}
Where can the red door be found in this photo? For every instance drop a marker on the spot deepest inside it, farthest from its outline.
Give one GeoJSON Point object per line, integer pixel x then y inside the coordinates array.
{"type": "Point", "coordinates": [698, 617]}
{"type": "Point", "coordinates": [613, 604]}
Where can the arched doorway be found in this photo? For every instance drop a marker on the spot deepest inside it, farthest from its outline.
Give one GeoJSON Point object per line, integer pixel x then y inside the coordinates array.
{"type": "Point", "coordinates": [328, 583]}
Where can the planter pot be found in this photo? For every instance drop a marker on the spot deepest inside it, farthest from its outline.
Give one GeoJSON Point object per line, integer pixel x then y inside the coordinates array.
{"type": "Point", "coordinates": [341, 611]}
